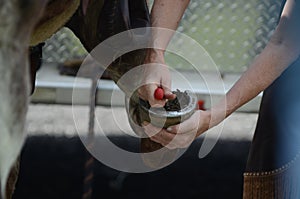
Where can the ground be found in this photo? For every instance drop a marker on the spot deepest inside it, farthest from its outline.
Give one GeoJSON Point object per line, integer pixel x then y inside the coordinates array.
{"type": "Point", "coordinates": [58, 120]}
{"type": "Point", "coordinates": [53, 156]}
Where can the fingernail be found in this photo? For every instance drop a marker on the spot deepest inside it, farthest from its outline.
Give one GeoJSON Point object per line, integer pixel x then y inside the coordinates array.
{"type": "Point", "coordinates": [169, 129]}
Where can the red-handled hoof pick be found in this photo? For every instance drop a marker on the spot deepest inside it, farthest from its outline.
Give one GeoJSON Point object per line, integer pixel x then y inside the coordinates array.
{"type": "Point", "coordinates": [159, 94]}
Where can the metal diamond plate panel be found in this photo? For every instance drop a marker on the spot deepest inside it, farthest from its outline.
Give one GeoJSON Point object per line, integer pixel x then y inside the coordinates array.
{"type": "Point", "coordinates": [232, 31]}
{"type": "Point", "coordinates": [62, 46]}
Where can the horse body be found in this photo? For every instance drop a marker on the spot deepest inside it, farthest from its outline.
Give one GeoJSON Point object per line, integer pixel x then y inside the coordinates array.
{"type": "Point", "coordinates": [24, 23]}
{"type": "Point", "coordinates": [18, 18]}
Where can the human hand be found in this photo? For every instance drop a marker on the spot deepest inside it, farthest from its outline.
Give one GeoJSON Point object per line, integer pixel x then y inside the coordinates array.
{"type": "Point", "coordinates": [156, 75]}
{"type": "Point", "coordinates": [181, 135]}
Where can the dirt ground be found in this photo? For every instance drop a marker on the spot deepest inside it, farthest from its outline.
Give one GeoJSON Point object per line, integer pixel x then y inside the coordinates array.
{"type": "Point", "coordinates": [59, 120]}
{"type": "Point", "coordinates": [53, 157]}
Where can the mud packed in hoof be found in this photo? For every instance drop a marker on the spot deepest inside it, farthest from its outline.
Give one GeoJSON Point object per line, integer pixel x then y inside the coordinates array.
{"type": "Point", "coordinates": [180, 102]}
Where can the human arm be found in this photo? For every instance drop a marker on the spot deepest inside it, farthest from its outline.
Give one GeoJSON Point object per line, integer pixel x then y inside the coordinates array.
{"type": "Point", "coordinates": [281, 51]}
{"type": "Point", "coordinates": [165, 16]}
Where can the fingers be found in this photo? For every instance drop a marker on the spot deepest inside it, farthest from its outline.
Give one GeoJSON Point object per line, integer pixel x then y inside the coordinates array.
{"type": "Point", "coordinates": [188, 126]}
{"type": "Point", "coordinates": [165, 144]}
{"type": "Point", "coordinates": [181, 135]}
{"type": "Point", "coordinates": [150, 130]}
{"type": "Point", "coordinates": [157, 135]}
{"type": "Point", "coordinates": [168, 139]}
{"type": "Point", "coordinates": [169, 95]}
{"type": "Point", "coordinates": [171, 140]}
{"type": "Point", "coordinates": [156, 76]}
{"type": "Point", "coordinates": [146, 92]}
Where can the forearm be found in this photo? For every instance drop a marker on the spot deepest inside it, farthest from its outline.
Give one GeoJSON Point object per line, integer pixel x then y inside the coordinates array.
{"type": "Point", "coordinates": [168, 13]}
{"type": "Point", "coordinates": [267, 67]}
{"type": "Point", "coordinates": [262, 72]}
{"type": "Point", "coordinates": [166, 16]}
{"type": "Point", "coordinates": [282, 50]}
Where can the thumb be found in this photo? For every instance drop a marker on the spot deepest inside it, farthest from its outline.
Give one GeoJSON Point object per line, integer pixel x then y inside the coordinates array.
{"type": "Point", "coordinates": [168, 93]}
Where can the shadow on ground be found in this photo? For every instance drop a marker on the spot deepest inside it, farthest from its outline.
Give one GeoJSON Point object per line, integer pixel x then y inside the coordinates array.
{"type": "Point", "coordinates": [52, 168]}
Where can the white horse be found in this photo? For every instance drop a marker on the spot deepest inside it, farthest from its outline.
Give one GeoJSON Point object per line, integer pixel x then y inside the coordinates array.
{"type": "Point", "coordinates": [25, 23]}
{"type": "Point", "coordinates": [18, 21]}
{"type": "Point", "coordinates": [18, 18]}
